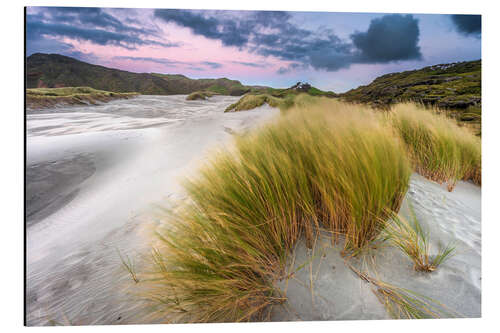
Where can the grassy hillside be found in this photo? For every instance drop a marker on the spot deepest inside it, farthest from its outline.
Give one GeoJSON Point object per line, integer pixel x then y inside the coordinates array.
{"type": "Point", "coordinates": [455, 86]}
{"type": "Point", "coordinates": [54, 70]}
{"type": "Point", "coordinates": [40, 98]}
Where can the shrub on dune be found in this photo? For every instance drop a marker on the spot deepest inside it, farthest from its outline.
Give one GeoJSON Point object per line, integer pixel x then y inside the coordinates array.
{"type": "Point", "coordinates": [222, 250]}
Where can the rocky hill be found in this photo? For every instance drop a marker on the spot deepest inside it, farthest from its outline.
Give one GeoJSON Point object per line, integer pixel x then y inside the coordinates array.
{"type": "Point", "coordinates": [55, 70]}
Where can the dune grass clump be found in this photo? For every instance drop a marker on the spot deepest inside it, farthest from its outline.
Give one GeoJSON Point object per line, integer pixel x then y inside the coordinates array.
{"type": "Point", "coordinates": [222, 250]}
{"type": "Point", "coordinates": [440, 149]}
{"type": "Point", "coordinates": [39, 98]}
{"type": "Point", "coordinates": [200, 95]}
{"type": "Point", "coordinates": [251, 101]}
{"type": "Point", "coordinates": [413, 241]}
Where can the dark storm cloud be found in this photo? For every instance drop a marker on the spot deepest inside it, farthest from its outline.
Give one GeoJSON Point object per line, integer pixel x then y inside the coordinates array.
{"type": "Point", "coordinates": [291, 67]}
{"type": "Point", "coordinates": [467, 24]}
{"type": "Point", "coordinates": [87, 24]}
{"type": "Point", "coordinates": [389, 38]}
{"type": "Point", "coordinates": [228, 31]}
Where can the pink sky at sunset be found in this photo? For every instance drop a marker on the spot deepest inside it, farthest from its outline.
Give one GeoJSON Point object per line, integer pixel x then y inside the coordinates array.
{"type": "Point", "coordinates": [276, 51]}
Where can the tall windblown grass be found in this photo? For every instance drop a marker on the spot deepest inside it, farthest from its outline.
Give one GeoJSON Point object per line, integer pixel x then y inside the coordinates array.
{"type": "Point", "coordinates": [221, 251]}
{"type": "Point", "coordinates": [440, 149]}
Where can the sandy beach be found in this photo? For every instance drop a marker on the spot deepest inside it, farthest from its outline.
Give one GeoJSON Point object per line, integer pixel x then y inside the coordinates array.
{"type": "Point", "coordinates": [96, 177]}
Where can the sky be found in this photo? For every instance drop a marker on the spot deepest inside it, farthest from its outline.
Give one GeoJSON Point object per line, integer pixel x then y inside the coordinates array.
{"type": "Point", "coordinates": [331, 51]}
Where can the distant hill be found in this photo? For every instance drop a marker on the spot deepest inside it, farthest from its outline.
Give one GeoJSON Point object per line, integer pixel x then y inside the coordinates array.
{"type": "Point", "coordinates": [450, 86]}
{"type": "Point", "coordinates": [55, 70]}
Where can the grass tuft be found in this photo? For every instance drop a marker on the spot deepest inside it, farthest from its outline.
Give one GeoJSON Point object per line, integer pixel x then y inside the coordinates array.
{"type": "Point", "coordinates": [413, 241]}
{"type": "Point", "coordinates": [402, 303]}
{"type": "Point", "coordinates": [129, 266]}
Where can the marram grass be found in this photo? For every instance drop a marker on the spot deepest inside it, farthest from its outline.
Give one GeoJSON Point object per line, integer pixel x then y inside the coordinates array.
{"type": "Point", "coordinates": [410, 237]}
{"type": "Point", "coordinates": [252, 101]}
{"type": "Point", "coordinates": [221, 251]}
{"type": "Point", "coordinates": [402, 303]}
{"type": "Point", "coordinates": [440, 149]}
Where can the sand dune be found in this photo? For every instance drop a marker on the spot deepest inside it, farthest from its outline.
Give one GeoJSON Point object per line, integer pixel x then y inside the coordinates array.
{"type": "Point", "coordinates": [339, 294]}
{"type": "Point", "coordinates": [94, 176]}
{"type": "Point", "coordinates": [97, 176]}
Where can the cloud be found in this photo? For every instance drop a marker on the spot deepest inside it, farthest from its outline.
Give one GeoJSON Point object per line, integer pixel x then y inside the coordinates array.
{"type": "Point", "coordinates": [95, 17]}
{"type": "Point", "coordinates": [230, 31]}
{"type": "Point", "coordinates": [162, 61]}
{"type": "Point", "coordinates": [96, 36]}
{"type": "Point", "coordinates": [251, 64]}
{"type": "Point", "coordinates": [266, 33]}
{"type": "Point", "coordinates": [389, 38]}
{"type": "Point", "coordinates": [290, 68]}
{"type": "Point", "coordinates": [199, 66]}
{"type": "Point", "coordinates": [213, 65]}
{"type": "Point", "coordinates": [467, 24]}
{"type": "Point", "coordinates": [46, 45]}
{"type": "Point", "coordinates": [87, 24]}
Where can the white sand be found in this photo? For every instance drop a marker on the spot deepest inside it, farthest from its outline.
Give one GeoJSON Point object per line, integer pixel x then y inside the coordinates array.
{"type": "Point", "coordinates": [96, 173]}
{"type": "Point", "coordinates": [94, 176]}
{"type": "Point", "coordinates": [339, 294]}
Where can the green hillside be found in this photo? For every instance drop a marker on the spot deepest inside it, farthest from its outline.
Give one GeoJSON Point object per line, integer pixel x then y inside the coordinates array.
{"type": "Point", "coordinates": [54, 70]}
